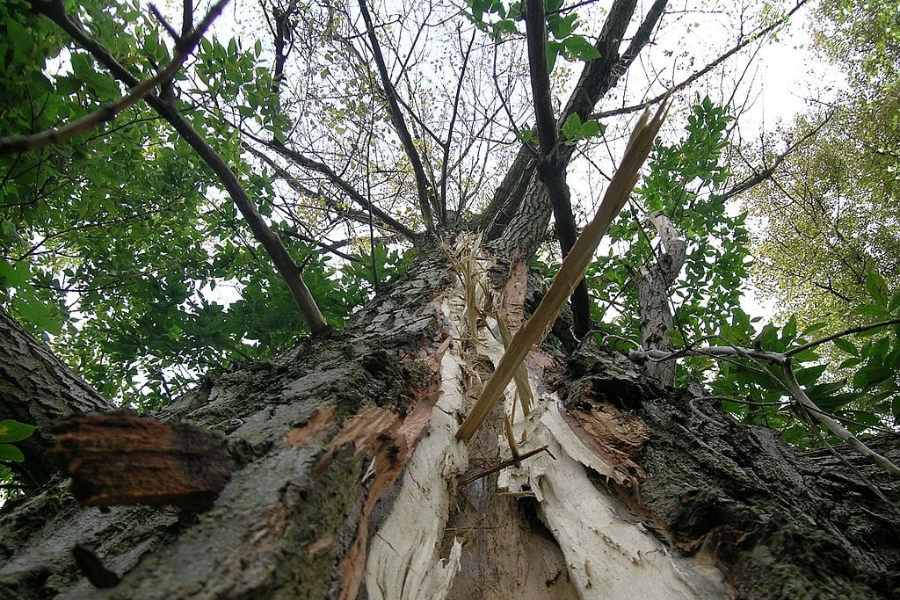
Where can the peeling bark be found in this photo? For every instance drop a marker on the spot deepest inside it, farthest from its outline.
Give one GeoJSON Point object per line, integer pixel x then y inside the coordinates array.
{"type": "Point", "coordinates": [38, 389]}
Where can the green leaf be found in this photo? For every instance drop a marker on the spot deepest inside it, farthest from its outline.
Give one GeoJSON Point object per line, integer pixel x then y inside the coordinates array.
{"type": "Point", "coordinates": [809, 375]}
{"type": "Point", "coordinates": [790, 330]}
{"type": "Point", "coordinates": [579, 48]}
{"type": "Point", "coordinates": [13, 275]}
{"type": "Point", "coordinates": [871, 375]}
{"type": "Point", "coordinates": [572, 126]}
{"type": "Point", "coordinates": [872, 310]}
{"type": "Point", "coordinates": [849, 363]}
{"type": "Point", "coordinates": [13, 431]}
{"type": "Point", "coordinates": [9, 453]}
{"type": "Point", "coordinates": [813, 328]}
{"type": "Point", "coordinates": [846, 346]}
{"type": "Point", "coordinates": [894, 304]}
{"type": "Point", "coordinates": [560, 26]}
{"type": "Point", "coordinates": [38, 314]}
{"type": "Point", "coordinates": [877, 288]}
{"type": "Point", "coordinates": [573, 129]}
{"type": "Point", "coordinates": [553, 50]}
{"type": "Point", "coordinates": [22, 42]}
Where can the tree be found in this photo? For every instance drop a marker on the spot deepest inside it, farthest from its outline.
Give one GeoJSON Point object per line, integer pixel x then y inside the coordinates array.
{"type": "Point", "coordinates": [827, 209]}
{"type": "Point", "coordinates": [828, 240]}
{"type": "Point", "coordinates": [348, 473]}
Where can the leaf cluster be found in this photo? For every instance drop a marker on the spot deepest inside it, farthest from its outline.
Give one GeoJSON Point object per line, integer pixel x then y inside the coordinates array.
{"type": "Point", "coordinates": [503, 20]}
{"type": "Point", "coordinates": [684, 181]}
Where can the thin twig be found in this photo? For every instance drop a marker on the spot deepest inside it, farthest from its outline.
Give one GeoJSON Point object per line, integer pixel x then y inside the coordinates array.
{"type": "Point", "coordinates": [840, 334]}
{"type": "Point", "coordinates": [506, 463]}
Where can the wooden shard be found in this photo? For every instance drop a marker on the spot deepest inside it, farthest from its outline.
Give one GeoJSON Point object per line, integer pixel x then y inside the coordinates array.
{"type": "Point", "coordinates": [118, 459]}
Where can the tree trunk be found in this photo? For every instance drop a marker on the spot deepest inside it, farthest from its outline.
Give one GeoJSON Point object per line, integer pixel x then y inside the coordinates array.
{"type": "Point", "coordinates": [37, 388]}
{"type": "Point", "coordinates": [352, 485]}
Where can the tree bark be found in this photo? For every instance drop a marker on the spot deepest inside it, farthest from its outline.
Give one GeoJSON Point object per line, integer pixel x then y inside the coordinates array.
{"type": "Point", "coordinates": [351, 485]}
{"type": "Point", "coordinates": [36, 388]}
{"type": "Point", "coordinates": [652, 282]}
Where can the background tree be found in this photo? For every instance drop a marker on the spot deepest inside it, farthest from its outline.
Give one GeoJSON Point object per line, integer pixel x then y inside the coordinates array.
{"type": "Point", "coordinates": [827, 237]}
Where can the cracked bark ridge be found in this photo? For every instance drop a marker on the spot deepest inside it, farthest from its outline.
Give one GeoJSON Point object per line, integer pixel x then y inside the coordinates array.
{"type": "Point", "coordinates": [779, 523]}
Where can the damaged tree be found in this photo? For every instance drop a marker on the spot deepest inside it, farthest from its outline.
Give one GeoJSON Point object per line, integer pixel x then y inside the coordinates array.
{"type": "Point", "coordinates": [345, 475]}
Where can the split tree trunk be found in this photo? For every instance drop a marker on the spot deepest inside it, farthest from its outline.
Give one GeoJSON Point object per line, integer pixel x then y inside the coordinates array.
{"type": "Point", "coordinates": [351, 485]}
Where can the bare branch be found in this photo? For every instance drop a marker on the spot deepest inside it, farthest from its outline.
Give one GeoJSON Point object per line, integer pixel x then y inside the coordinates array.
{"type": "Point", "coordinates": [767, 172]}
{"type": "Point", "coordinates": [328, 172]}
{"type": "Point", "coordinates": [709, 67]}
{"type": "Point", "coordinates": [840, 334]}
{"type": "Point", "coordinates": [425, 199]}
{"type": "Point", "coordinates": [448, 143]}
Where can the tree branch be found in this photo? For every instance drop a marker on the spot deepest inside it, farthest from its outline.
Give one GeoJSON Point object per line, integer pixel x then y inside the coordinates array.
{"type": "Point", "coordinates": [551, 170]}
{"type": "Point", "coordinates": [698, 74]}
{"type": "Point", "coordinates": [791, 384]}
{"type": "Point", "coordinates": [760, 176]}
{"type": "Point", "coordinates": [425, 198]}
{"type": "Point", "coordinates": [840, 334]}
{"type": "Point", "coordinates": [110, 111]}
{"type": "Point", "coordinates": [284, 263]}
{"type": "Point", "coordinates": [342, 184]}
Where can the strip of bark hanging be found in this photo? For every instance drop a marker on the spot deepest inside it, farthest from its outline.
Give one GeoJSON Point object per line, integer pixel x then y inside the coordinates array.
{"type": "Point", "coordinates": [551, 167]}
{"type": "Point", "coordinates": [167, 108]}
{"type": "Point", "coordinates": [118, 459]}
{"type": "Point", "coordinates": [570, 272]}
{"type": "Point", "coordinates": [422, 186]}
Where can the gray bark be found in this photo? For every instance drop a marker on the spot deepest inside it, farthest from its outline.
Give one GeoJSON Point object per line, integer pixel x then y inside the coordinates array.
{"type": "Point", "coordinates": [652, 285]}
{"type": "Point", "coordinates": [324, 434]}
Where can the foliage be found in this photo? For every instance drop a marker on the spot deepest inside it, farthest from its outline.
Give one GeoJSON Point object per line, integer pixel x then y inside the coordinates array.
{"type": "Point", "coordinates": [828, 216]}
{"type": "Point", "coordinates": [684, 182]}
{"type": "Point", "coordinates": [112, 246]}
{"type": "Point", "coordinates": [123, 251]}
{"type": "Point", "coordinates": [11, 432]}
{"type": "Point", "coordinates": [868, 400]}
{"type": "Point", "coordinates": [502, 20]}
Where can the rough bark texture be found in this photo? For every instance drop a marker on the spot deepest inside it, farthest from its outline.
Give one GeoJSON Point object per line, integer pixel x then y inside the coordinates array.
{"type": "Point", "coordinates": [652, 284]}
{"type": "Point", "coordinates": [781, 524]}
{"type": "Point", "coordinates": [37, 388]}
{"type": "Point", "coordinates": [348, 461]}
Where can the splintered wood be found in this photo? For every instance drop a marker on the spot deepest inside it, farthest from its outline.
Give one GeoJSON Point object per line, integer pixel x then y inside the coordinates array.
{"type": "Point", "coordinates": [119, 459]}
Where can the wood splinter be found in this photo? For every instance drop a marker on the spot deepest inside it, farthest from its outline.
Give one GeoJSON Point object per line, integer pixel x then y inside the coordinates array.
{"type": "Point", "coordinates": [118, 459]}
{"type": "Point", "coordinates": [507, 463]}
